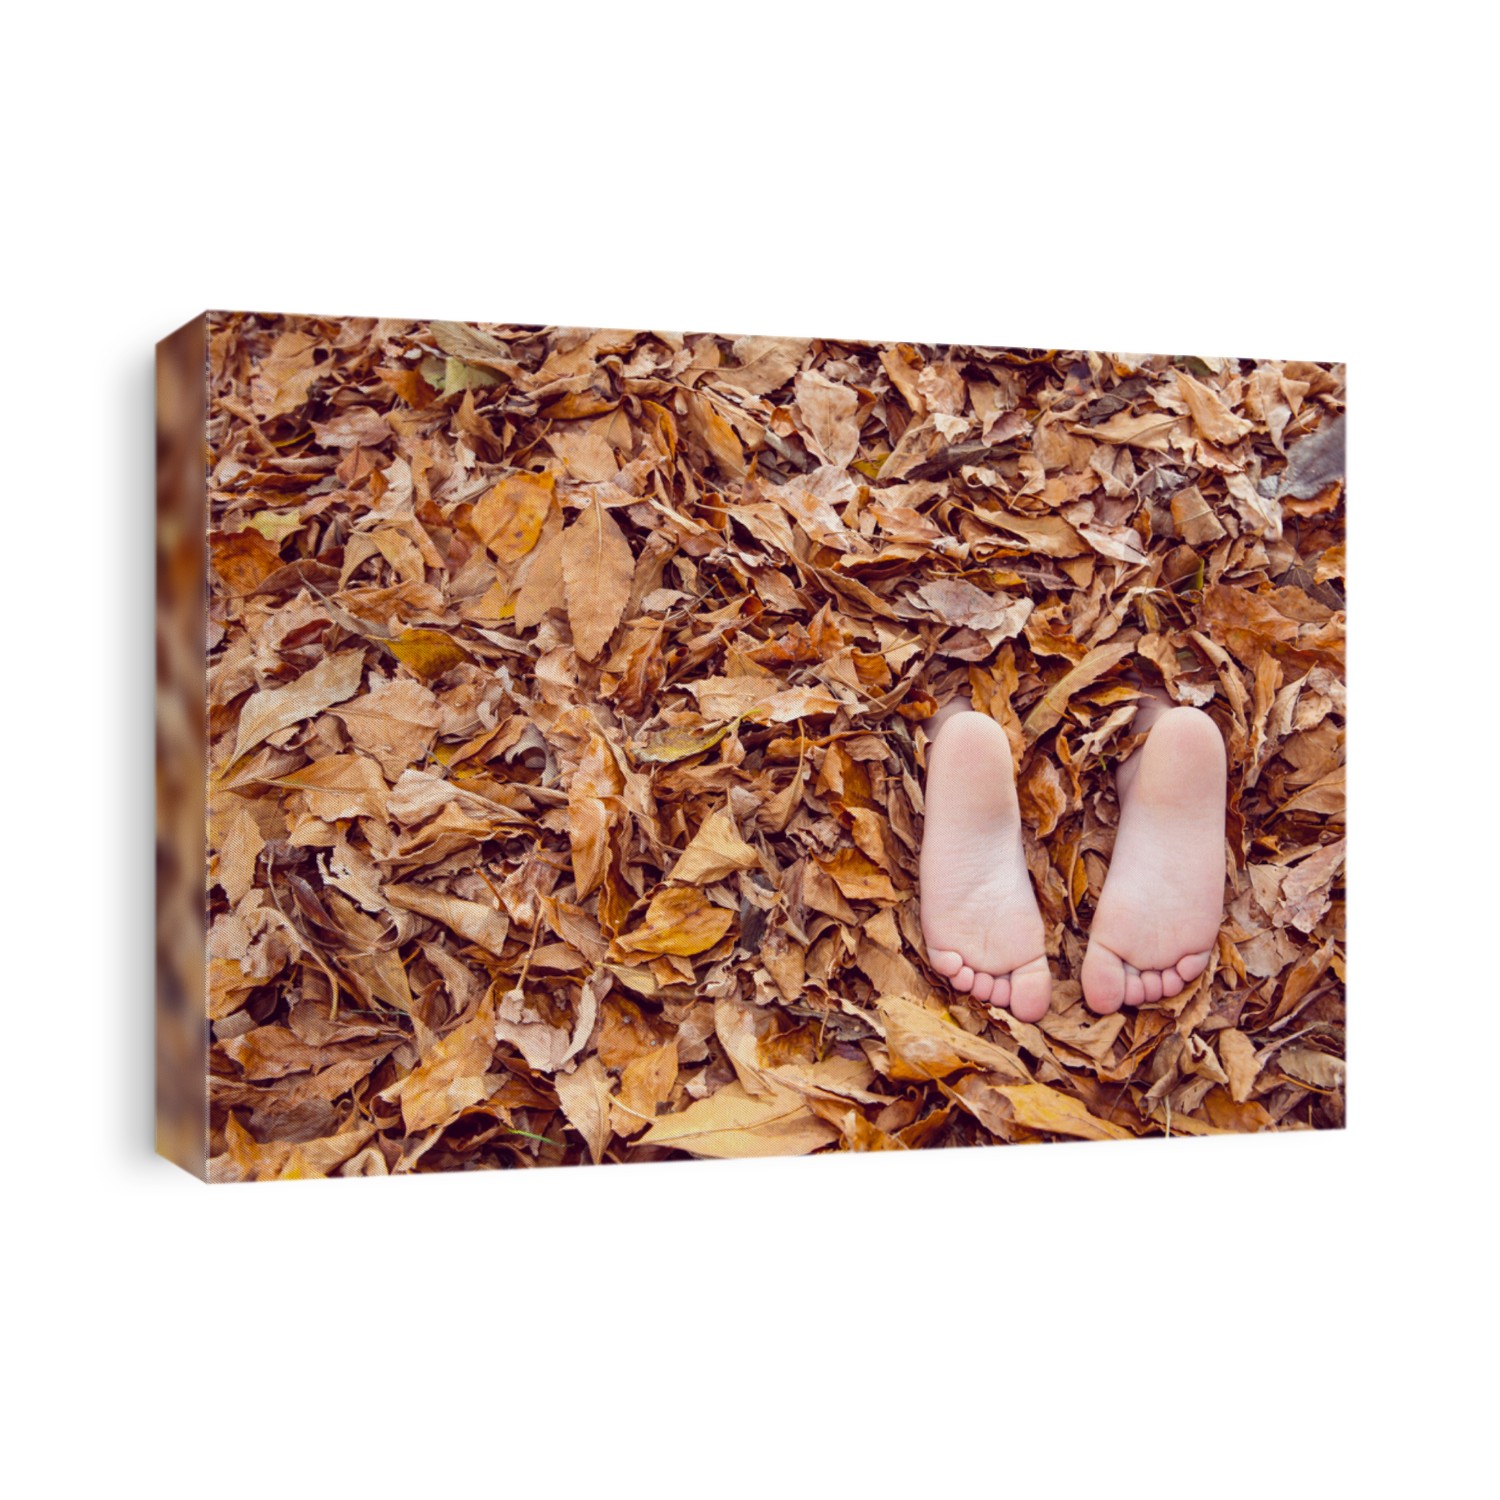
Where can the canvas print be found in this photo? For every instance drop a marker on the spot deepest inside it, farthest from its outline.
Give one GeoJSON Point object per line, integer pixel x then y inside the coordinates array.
{"type": "Point", "coordinates": [599, 746]}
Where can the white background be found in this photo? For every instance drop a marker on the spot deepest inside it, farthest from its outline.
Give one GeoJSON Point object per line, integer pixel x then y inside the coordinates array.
{"type": "Point", "coordinates": [1296, 1315]}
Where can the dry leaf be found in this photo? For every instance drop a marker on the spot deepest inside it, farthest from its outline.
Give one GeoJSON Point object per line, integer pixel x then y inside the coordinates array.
{"type": "Point", "coordinates": [452, 1074]}
{"type": "Point", "coordinates": [682, 921]}
{"type": "Point", "coordinates": [597, 568]}
{"type": "Point", "coordinates": [733, 1123]}
{"type": "Point", "coordinates": [428, 653]}
{"type": "Point", "coordinates": [629, 750]}
{"type": "Point", "coordinates": [716, 850]}
{"type": "Point", "coordinates": [509, 518]}
{"type": "Point", "coordinates": [273, 709]}
{"type": "Point", "coordinates": [1211, 417]}
{"type": "Point", "coordinates": [584, 1096]}
{"type": "Point", "coordinates": [829, 424]}
{"type": "Point", "coordinates": [926, 1044]}
{"type": "Point", "coordinates": [479, 924]}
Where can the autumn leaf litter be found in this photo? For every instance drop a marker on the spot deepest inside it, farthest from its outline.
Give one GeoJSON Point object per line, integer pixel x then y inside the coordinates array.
{"type": "Point", "coordinates": [566, 704]}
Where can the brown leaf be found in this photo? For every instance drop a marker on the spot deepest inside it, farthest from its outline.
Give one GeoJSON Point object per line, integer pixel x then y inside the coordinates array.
{"type": "Point", "coordinates": [1306, 890]}
{"type": "Point", "coordinates": [341, 786]}
{"type": "Point", "coordinates": [239, 853]}
{"type": "Point", "coordinates": [1241, 1063]}
{"type": "Point", "coordinates": [1211, 417]}
{"type": "Point", "coordinates": [244, 560]}
{"type": "Point", "coordinates": [452, 1075]}
{"type": "Point", "coordinates": [858, 877]}
{"type": "Point", "coordinates": [648, 1081]}
{"type": "Point", "coordinates": [542, 590]}
{"type": "Point", "coordinates": [1194, 518]}
{"type": "Point", "coordinates": [828, 422]}
{"type": "Point", "coordinates": [584, 1096]}
{"type": "Point", "coordinates": [1044, 800]}
{"type": "Point", "coordinates": [395, 721]}
{"type": "Point", "coordinates": [765, 364]}
{"type": "Point", "coordinates": [273, 709]}
{"type": "Point", "coordinates": [354, 427]}
{"type": "Point", "coordinates": [1311, 1066]}
{"type": "Point", "coordinates": [716, 850]}
{"type": "Point", "coordinates": [246, 1160]}
{"type": "Point", "coordinates": [1049, 535]}
{"type": "Point", "coordinates": [588, 840]}
{"type": "Point", "coordinates": [1038, 1107]}
{"type": "Point", "coordinates": [716, 435]}
{"type": "Point", "coordinates": [597, 568]}
{"type": "Point", "coordinates": [736, 697]}
{"type": "Point", "coordinates": [955, 601]}
{"type": "Point", "coordinates": [1055, 701]}
{"type": "Point", "coordinates": [469, 919]}
{"type": "Point", "coordinates": [544, 1046]}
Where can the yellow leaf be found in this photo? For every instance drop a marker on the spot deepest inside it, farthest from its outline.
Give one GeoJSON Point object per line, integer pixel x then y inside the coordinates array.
{"type": "Point", "coordinates": [276, 526]}
{"type": "Point", "coordinates": [677, 744]}
{"type": "Point", "coordinates": [1055, 701]}
{"type": "Point", "coordinates": [647, 1081]}
{"type": "Point", "coordinates": [428, 653]}
{"type": "Point", "coordinates": [681, 921]}
{"type": "Point", "coordinates": [246, 1160]}
{"type": "Point", "coordinates": [858, 877]}
{"type": "Point", "coordinates": [510, 517]}
{"type": "Point", "coordinates": [733, 1123]}
{"type": "Point", "coordinates": [1038, 1107]}
{"type": "Point", "coordinates": [929, 1044]}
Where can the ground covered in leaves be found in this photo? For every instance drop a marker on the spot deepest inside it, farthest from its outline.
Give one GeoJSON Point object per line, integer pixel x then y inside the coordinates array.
{"type": "Point", "coordinates": [566, 705]}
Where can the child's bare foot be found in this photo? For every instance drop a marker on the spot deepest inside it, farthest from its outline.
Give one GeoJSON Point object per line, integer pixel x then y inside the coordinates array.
{"type": "Point", "coordinates": [980, 919]}
{"type": "Point", "coordinates": [1163, 900]}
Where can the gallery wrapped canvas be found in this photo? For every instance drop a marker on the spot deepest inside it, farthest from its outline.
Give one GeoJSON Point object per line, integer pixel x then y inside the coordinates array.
{"type": "Point", "coordinates": [547, 722]}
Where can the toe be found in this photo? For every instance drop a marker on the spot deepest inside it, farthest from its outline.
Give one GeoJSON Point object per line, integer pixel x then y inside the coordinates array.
{"type": "Point", "coordinates": [1171, 983]}
{"type": "Point", "coordinates": [1193, 965]}
{"type": "Point", "coordinates": [964, 979]}
{"type": "Point", "coordinates": [1135, 991]}
{"type": "Point", "coordinates": [1001, 993]}
{"type": "Point", "coordinates": [1151, 980]}
{"type": "Point", "coordinates": [947, 961]}
{"type": "Point", "coordinates": [1103, 977]}
{"type": "Point", "coordinates": [1031, 991]}
{"type": "Point", "coordinates": [984, 986]}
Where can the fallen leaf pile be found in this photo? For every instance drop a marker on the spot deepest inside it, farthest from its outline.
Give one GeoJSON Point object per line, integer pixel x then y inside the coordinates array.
{"type": "Point", "coordinates": [567, 693]}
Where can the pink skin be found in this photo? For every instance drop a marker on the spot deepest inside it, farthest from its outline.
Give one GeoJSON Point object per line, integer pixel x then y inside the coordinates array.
{"type": "Point", "coordinates": [979, 916]}
{"type": "Point", "coordinates": [1159, 912]}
